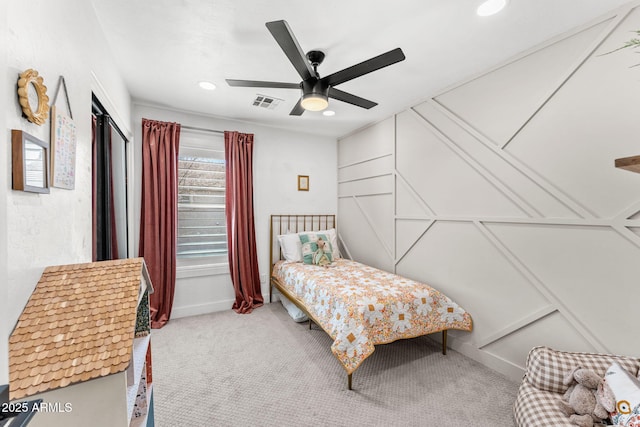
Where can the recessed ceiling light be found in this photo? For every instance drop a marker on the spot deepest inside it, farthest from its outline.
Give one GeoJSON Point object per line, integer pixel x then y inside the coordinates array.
{"type": "Point", "coordinates": [207, 85]}
{"type": "Point", "coordinates": [328, 113]}
{"type": "Point", "coordinates": [491, 7]}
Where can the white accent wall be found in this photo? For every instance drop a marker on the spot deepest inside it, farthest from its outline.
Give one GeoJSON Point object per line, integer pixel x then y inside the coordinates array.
{"type": "Point", "coordinates": [279, 156]}
{"type": "Point", "coordinates": [502, 192]}
{"type": "Point", "coordinates": [38, 230]}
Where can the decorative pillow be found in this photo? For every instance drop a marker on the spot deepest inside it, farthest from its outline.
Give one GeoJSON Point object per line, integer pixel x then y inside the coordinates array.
{"type": "Point", "coordinates": [333, 238]}
{"type": "Point", "coordinates": [311, 243]}
{"type": "Point", "coordinates": [291, 247]}
{"type": "Point", "coordinates": [626, 390]}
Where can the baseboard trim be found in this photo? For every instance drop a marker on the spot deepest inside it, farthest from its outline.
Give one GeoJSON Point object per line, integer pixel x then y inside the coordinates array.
{"type": "Point", "coordinates": [197, 309]}
{"type": "Point", "coordinates": [491, 361]}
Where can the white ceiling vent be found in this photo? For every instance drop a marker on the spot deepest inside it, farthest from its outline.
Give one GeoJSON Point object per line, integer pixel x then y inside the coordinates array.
{"type": "Point", "coordinates": [265, 101]}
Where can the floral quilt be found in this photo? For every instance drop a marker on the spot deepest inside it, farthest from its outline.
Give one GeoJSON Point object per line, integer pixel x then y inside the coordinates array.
{"type": "Point", "coordinates": [361, 306]}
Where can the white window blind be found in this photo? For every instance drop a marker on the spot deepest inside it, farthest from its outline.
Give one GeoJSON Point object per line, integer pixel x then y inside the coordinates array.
{"type": "Point", "coordinates": [202, 227]}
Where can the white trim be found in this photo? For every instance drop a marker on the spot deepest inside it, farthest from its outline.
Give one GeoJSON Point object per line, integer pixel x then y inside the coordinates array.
{"type": "Point", "coordinates": [519, 165]}
{"type": "Point", "coordinates": [424, 205]}
{"type": "Point", "coordinates": [516, 326]}
{"type": "Point", "coordinates": [630, 212]}
{"type": "Point", "coordinates": [201, 270]}
{"type": "Point", "coordinates": [98, 89]}
{"type": "Point", "coordinates": [347, 196]}
{"type": "Point", "coordinates": [365, 178]}
{"type": "Point", "coordinates": [197, 309]}
{"type": "Point", "coordinates": [483, 171]}
{"type": "Point", "coordinates": [625, 232]}
{"type": "Point", "coordinates": [542, 287]}
{"type": "Point", "coordinates": [415, 242]}
{"type": "Point", "coordinates": [373, 228]}
{"type": "Point", "coordinates": [588, 222]}
{"type": "Point", "coordinates": [370, 159]}
{"type": "Point", "coordinates": [488, 359]}
{"type": "Point", "coordinates": [623, 10]}
{"type": "Point", "coordinates": [344, 246]}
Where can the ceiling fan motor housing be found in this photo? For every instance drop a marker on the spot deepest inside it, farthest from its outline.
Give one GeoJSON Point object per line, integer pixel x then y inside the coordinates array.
{"type": "Point", "coordinates": [315, 87]}
{"type": "Point", "coordinates": [315, 94]}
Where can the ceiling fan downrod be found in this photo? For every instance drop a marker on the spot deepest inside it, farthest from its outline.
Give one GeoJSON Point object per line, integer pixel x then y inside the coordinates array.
{"type": "Point", "coordinates": [315, 57]}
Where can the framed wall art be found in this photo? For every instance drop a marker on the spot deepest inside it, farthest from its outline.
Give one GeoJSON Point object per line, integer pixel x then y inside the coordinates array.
{"type": "Point", "coordinates": [30, 163]}
{"type": "Point", "coordinates": [63, 150]}
{"type": "Point", "coordinates": [303, 182]}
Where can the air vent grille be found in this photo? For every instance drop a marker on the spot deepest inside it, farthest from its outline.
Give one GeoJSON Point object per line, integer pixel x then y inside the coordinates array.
{"type": "Point", "coordinates": [265, 101]}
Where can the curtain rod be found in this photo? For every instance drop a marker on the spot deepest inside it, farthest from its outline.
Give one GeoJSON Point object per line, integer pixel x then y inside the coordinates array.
{"type": "Point", "coordinates": [201, 129]}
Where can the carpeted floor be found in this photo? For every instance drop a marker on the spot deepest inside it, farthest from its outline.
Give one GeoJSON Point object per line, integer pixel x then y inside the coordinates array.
{"type": "Point", "coordinates": [263, 369]}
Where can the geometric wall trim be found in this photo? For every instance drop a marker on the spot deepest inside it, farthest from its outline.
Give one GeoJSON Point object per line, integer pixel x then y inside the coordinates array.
{"type": "Point", "coordinates": [512, 100]}
{"type": "Point", "coordinates": [504, 195]}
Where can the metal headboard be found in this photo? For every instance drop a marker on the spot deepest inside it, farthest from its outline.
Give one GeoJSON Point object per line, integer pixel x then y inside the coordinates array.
{"type": "Point", "coordinates": [282, 224]}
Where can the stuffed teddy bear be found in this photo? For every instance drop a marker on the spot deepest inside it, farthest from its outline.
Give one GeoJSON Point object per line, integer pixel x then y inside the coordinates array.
{"type": "Point", "coordinates": [320, 255]}
{"type": "Point", "coordinates": [580, 401]}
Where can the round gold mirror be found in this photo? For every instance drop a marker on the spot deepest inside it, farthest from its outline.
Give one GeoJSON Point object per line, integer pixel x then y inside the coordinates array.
{"type": "Point", "coordinates": [32, 95]}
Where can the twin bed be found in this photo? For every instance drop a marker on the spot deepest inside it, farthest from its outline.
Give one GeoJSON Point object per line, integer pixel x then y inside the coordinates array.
{"type": "Point", "coordinates": [357, 305]}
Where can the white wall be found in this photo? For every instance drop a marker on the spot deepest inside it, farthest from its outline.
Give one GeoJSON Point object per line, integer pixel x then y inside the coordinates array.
{"type": "Point", "coordinates": [55, 38]}
{"type": "Point", "coordinates": [279, 157]}
{"type": "Point", "coordinates": [5, 183]}
{"type": "Point", "coordinates": [502, 192]}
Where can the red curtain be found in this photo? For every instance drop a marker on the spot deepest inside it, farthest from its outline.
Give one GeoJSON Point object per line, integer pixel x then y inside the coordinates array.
{"type": "Point", "coordinates": [241, 239]}
{"type": "Point", "coordinates": [159, 213]}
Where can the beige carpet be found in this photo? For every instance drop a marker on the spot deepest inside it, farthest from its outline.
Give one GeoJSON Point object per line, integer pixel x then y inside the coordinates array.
{"type": "Point", "coordinates": [263, 369]}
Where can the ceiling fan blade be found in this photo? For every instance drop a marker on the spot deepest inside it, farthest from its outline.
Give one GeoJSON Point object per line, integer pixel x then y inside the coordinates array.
{"type": "Point", "coordinates": [284, 36]}
{"type": "Point", "coordinates": [373, 64]}
{"type": "Point", "coordinates": [351, 99]}
{"type": "Point", "coordinates": [297, 110]}
{"type": "Point", "coordinates": [255, 83]}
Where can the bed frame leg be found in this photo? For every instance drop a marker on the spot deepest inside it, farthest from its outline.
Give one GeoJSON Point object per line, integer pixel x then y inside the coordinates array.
{"type": "Point", "coordinates": [310, 323]}
{"type": "Point", "coordinates": [270, 291]}
{"type": "Point", "coordinates": [349, 381]}
{"type": "Point", "coordinates": [444, 342]}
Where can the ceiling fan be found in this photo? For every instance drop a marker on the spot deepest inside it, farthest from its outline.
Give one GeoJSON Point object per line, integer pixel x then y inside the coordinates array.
{"type": "Point", "coordinates": [316, 91]}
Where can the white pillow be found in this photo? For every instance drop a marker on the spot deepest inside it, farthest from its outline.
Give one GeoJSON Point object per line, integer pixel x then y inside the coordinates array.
{"type": "Point", "coordinates": [291, 247]}
{"type": "Point", "coordinates": [333, 237]}
{"type": "Point", "coordinates": [626, 390]}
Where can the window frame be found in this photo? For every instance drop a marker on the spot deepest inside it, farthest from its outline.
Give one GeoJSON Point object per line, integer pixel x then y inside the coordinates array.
{"type": "Point", "coordinates": [208, 145]}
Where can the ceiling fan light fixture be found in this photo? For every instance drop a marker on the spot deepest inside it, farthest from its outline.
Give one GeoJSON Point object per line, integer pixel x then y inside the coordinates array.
{"type": "Point", "coordinates": [314, 102]}
{"type": "Point", "coordinates": [491, 7]}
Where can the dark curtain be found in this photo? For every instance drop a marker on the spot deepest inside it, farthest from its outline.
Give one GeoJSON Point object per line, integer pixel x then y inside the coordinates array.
{"type": "Point", "coordinates": [105, 236]}
{"type": "Point", "coordinates": [243, 257]}
{"type": "Point", "coordinates": [159, 213]}
{"type": "Point", "coordinates": [94, 190]}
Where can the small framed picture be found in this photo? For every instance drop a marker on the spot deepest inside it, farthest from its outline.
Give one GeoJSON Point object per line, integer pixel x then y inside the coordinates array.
{"type": "Point", "coordinates": [303, 182]}
{"type": "Point", "coordinates": [30, 162]}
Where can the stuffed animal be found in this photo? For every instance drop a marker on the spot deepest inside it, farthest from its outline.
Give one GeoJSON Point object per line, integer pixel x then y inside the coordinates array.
{"type": "Point", "coordinates": [621, 396]}
{"type": "Point", "coordinates": [579, 401]}
{"type": "Point", "coordinates": [320, 255]}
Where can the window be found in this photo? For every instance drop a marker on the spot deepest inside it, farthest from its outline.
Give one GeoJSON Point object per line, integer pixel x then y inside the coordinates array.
{"type": "Point", "coordinates": [202, 225]}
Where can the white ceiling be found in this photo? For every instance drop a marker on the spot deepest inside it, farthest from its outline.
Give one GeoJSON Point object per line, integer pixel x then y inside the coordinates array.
{"type": "Point", "coordinates": [165, 47]}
